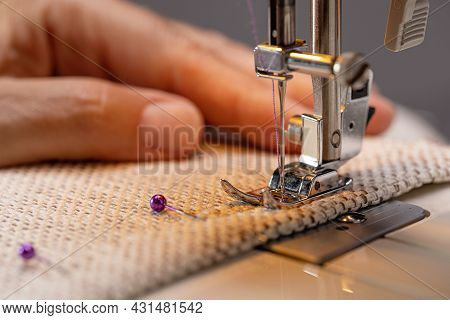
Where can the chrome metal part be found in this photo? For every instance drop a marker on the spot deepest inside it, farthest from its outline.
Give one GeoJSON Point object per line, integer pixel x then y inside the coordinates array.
{"type": "Point", "coordinates": [234, 192]}
{"type": "Point", "coordinates": [271, 61]}
{"type": "Point", "coordinates": [304, 183]}
{"type": "Point", "coordinates": [351, 217]}
{"type": "Point", "coordinates": [295, 130]}
{"type": "Point", "coordinates": [281, 142]}
{"type": "Point", "coordinates": [320, 65]}
{"type": "Point", "coordinates": [354, 119]}
{"type": "Point", "coordinates": [326, 39]}
{"type": "Point", "coordinates": [312, 141]}
{"type": "Point", "coordinates": [342, 82]}
{"type": "Point", "coordinates": [315, 174]}
{"type": "Point", "coordinates": [351, 70]}
{"type": "Point", "coordinates": [282, 22]}
{"type": "Point", "coordinates": [274, 199]}
{"type": "Point", "coordinates": [301, 185]}
{"type": "Point", "coordinates": [277, 63]}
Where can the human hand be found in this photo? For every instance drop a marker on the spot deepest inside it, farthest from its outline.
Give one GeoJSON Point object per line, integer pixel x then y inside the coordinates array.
{"type": "Point", "coordinates": [80, 76]}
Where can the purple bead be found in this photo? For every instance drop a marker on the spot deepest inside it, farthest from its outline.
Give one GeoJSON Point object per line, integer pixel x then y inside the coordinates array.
{"type": "Point", "coordinates": [158, 202]}
{"type": "Point", "coordinates": [26, 251]}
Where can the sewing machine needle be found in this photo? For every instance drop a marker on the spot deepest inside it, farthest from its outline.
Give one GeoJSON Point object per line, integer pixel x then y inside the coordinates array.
{"type": "Point", "coordinates": [281, 143]}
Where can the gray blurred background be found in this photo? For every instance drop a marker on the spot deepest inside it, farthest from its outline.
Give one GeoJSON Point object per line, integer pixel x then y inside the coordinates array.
{"type": "Point", "coordinates": [418, 78]}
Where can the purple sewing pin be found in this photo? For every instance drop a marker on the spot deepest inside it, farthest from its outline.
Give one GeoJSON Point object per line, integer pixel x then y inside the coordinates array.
{"type": "Point", "coordinates": [26, 251]}
{"type": "Point", "coordinates": [158, 203]}
{"type": "Point", "coordinates": [32, 260]}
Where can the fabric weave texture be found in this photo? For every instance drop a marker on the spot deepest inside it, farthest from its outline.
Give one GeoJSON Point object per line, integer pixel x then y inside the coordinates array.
{"type": "Point", "coordinates": [96, 237]}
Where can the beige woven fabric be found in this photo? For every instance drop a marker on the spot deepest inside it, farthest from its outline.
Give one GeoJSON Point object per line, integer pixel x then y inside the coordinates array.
{"type": "Point", "coordinates": [94, 222]}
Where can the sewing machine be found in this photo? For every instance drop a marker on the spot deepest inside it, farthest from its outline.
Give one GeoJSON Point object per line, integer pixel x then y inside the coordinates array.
{"type": "Point", "coordinates": [309, 265]}
{"type": "Point", "coordinates": [332, 134]}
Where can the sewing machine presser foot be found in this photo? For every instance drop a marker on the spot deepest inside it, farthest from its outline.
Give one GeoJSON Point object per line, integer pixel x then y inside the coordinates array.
{"type": "Point", "coordinates": [301, 185]}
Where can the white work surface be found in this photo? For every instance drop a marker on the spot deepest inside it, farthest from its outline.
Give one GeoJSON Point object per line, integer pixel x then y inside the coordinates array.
{"type": "Point", "coordinates": [411, 263]}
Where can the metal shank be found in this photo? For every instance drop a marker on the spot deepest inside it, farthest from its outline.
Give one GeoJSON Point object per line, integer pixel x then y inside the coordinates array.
{"type": "Point", "coordinates": [326, 39]}
{"type": "Point", "coordinates": [282, 22]}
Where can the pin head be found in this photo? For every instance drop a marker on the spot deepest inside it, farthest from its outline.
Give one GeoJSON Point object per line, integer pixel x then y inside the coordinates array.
{"type": "Point", "coordinates": [158, 203]}
{"type": "Point", "coordinates": [26, 251]}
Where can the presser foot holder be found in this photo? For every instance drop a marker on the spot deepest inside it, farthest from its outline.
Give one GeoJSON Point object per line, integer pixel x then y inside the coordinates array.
{"type": "Point", "coordinates": [300, 186]}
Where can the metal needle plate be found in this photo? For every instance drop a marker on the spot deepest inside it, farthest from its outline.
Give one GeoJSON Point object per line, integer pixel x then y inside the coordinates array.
{"type": "Point", "coordinates": [337, 237]}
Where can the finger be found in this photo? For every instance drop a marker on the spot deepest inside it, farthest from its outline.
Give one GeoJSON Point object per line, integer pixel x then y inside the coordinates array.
{"type": "Point", "coordinates": [79, 118]}
{"type": "Point", "coordinates": [141, 48]}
